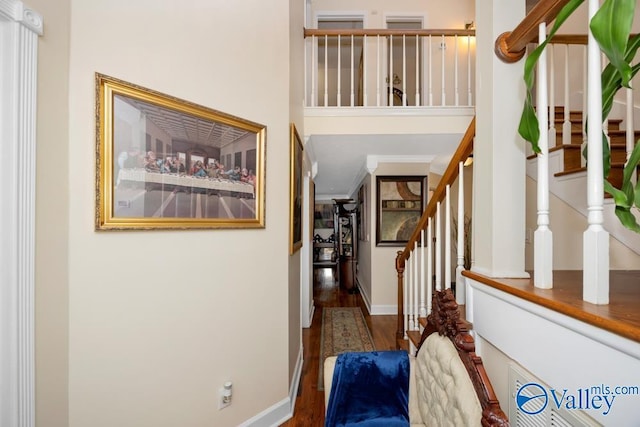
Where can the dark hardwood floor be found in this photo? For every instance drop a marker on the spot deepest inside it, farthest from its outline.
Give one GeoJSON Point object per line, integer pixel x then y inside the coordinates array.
{"type": "Point", "coordinates": [309, 409]}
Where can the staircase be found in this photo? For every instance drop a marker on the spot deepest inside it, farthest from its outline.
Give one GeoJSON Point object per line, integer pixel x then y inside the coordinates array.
{"type": "Point", "coordinates": [572, 153]}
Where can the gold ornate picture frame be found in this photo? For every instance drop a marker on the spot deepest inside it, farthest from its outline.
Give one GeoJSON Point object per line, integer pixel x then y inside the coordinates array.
{"type": "Point", "coordinates": [295, 196]}
{"type": "Point", "coordinates": [166, 163]}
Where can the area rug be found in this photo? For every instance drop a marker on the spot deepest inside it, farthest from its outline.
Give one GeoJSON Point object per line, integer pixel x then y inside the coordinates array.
{"type": "Point", "coordinates": [343, 329]}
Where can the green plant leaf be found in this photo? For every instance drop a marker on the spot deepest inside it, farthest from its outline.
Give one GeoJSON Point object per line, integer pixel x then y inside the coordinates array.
{"type": "Point", "coordinates": [632, 164]}
{"type": "Point", "coordinates": [610, 27]}
{"type": "Point", "coordinates": [606, 156]}
{"type": "Point", "coordinates": [527, 121]}
{"type": "Point", "coordinates": [619, 197]}
{"type": "Point", "coordinates": [627, 219]}
{"type": "Point", "coordinates": [637, 198]}
{"type": "Point", "coordinates": [528, 127]}
{"type": "Point", "coordinates": [612, 81]}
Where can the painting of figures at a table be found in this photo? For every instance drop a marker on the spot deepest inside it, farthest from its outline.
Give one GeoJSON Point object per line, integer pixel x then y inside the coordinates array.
{"type": "Point", "coordinates": [170, 164]}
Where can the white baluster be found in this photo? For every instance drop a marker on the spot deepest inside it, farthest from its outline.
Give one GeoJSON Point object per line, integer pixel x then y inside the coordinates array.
{"type": "Point", "coordinates": [585, 60]}
{"type": "Point", "coordinates": [460, 289]}
{"type": "Point", "coordinates": [447, 238]}
{"type": "Point", "coordinates": [596, 239]}
{"type": "Point", "coordinates": [417, 103]}
{"type": "Point", "coordinates": [339, 94]}
{"type": "Point", "coordinates": [430, 71]}
{"type": "Point", "coordinates": [438, 248]}
{"type": "Point", "coordinates": [566, 123]}
{"type": "Point", "coordinates": [404, 296]}
{"type": "Point", "coordinates": [469, 94]}
{"type": "Point", "coordinates": [455, 72]}
{"type": "Point", "coordinates": [443, 47]}
{"type": "Point", "coordinates": [543, 238]}
{"type": "Point", "coordinates": [390, 76]}
{"type": "Point", "coordinates": [429, 264]}
{"type": "Point", "coordinates": [378, 71]}
{"type": "Point", "coordinates": [552, 95]}
{"type": "Point", "coordinates": [416, 286]}
{"type": "Point", "coordinates": [326, 71]}
{"type": "Point", "coordinates": [410, 286]}
{"type": "Point", "coordinates": [352, 99]}
{"type": "Point", "coordinates": [404, 70]}
{"type": "Point", "coordinates": [423, 307]}
{"type": "Point", "coordinates": [365, 66]}
{"type": "Point", "coordinates": [314, 69]}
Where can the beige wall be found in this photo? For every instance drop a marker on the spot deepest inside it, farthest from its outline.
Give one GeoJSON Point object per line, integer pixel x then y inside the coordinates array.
{"type": "Point", "coordinates": [52, 216]}
{"type": "Point", "coordinates": [384, 279]}
{"type": "Point", "coordinates": [159, 320]}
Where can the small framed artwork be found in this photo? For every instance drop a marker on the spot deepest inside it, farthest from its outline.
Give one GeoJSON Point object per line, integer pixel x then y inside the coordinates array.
{"type": "Point", "coordinates": [295, 196]}
{"type": "Point", "coordinates": [363, 213]}
{"type": "Point", "coordinates": [166, 163]}
{"type": "Point", "coordinates": [400, 203]}
{"type": "Point", "coordinates": [323, 215]}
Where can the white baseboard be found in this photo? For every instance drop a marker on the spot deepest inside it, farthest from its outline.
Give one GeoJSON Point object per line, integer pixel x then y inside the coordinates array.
{"type": "Point", "coordinates": [375, 310]}
{"type": "Point", "coordinates": [283, 410]}
{"type": "Point", "coordinates": [378, 310]}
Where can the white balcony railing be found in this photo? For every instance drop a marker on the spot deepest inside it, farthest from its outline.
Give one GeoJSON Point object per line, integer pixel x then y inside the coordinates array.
{"type": "Point", "coordinates": [390, 68]}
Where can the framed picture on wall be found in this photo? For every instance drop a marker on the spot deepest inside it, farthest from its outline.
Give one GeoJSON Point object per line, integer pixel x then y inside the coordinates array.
{"type": "Point", "coordinates": [400, 203]}
{"type": "Point", "coordinates": [295, 197]}
{"type": "Point", "coordinates": [166, 163]}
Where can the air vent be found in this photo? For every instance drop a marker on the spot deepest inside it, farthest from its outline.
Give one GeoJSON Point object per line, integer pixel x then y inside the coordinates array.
{"type": "Point", "coordinates": [550, 416]}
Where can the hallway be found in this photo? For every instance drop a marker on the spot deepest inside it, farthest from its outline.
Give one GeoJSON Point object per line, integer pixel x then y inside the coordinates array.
{"type": "Point", "coordinates": [309, 409]}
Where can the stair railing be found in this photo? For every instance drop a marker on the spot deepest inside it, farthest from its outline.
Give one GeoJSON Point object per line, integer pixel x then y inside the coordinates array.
{"type": "Point", "coordinates": [595, 237]}
{"type": "Point", "coordinates": [351, 68]}
{"type": "Point", "coordinates": [420, 265]}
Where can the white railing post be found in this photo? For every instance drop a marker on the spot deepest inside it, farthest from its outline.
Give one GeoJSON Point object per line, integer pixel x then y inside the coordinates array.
{"type": "Point", "coordinates": [456, 101]}
{"type": "Point", "coordinates": [314, 70]}
{"type": "Point", "coordinates": [378, 98]}
{"type": "Point", "coordinates": [438, 249]}
{"type": "Point", "coordinates": [447, 238]}
{"type": "Point", "coordinates": [566, 123]}
{"type": "Point", "coordinates": [460, 288]}
{"type": "Point", "coordinates": [390, 74]}
{"type": "Point", "coordinates": [630, 131]}
{"type": "Point", "coordinates": [596, 238]}
{"type": "Point", "coordinates": [352, 75]}
{"type": "Point", "coordinates": [410, 285]}
{"type": "Point", "coordinates": [469, 94]}
{"type": "Point", "coordinates": [585, 90]}
{"type": "Point", "coordinates": [339, 79]}
{"type": "Point", "coordinates": [326, 71]}
{"type": "Point", "coordinates": [423, 307]}
{"type": "Point", "coordinates": [552, 96]}
{"type": "Point", "coordinates": [443, 47]}
{"type": "Point", "coordinates": [404, 71]}
{"type": "Point", "coordinates": [430, 71]}
{"type": "Point", "coordinates": [429, 264]}
{"type": "Point", "coordinates": [417, 101]}
{"type": "Point", "coordinates": [416, 287]}
{"type": "Point", "coordinates": [365, 97]}
{"type": "Point", "coordinates": [543, 238]}
{"type": "Point", "coordinates": [404, 301]}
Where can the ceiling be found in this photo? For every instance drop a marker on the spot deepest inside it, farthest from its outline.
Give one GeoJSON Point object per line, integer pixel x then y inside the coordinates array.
{"type": "Point", "coordinates": [342, 161]}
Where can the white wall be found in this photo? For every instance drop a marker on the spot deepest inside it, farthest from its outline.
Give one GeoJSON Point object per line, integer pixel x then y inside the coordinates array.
{"type": "Point", "coordinates": [158, 320]}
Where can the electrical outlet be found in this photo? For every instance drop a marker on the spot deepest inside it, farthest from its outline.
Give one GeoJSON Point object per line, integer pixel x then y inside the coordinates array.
{"type": "Point", "coordinates": [225, 395]}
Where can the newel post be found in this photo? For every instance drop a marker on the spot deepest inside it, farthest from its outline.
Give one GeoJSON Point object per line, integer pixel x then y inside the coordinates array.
{"type": "Point", "coordinates": [400, 262]}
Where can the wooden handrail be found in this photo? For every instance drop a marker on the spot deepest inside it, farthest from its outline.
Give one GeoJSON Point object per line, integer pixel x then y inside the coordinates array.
{"type": "Point", "coordinates": [386, 32]}
{"type": "Point", "coordinates": [451, 173]}
{"type": "Point", "coordinates": [511, 46]}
